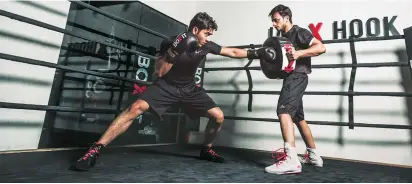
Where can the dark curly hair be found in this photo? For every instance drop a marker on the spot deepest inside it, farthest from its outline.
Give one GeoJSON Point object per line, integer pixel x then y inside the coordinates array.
{"type": "Point", "coordinates": [203, 21]}
{"type": "Point", "coordinates": [282, 10]}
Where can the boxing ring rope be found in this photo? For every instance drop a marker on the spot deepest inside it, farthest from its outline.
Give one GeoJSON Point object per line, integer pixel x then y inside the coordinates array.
{"type": "Point", "coordinates": [359, 65]}
{"type": "Point", "coordinates": [69, 109]}
{"type": "Point", "coordinates": [332, 93]}
{"type": "Point", "coordinates": [344, 40]}
{"type": "Point", "coordinates": [350, 93]}
{"type": "Point", "coordinates": [332, 123]}
{"type": "Point", "coordinates": [68, 68]}
{"type": "Point", "coordinates": [67, 32]}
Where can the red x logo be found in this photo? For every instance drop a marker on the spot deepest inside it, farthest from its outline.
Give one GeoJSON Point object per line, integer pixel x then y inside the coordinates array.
{"type": "Point", "coordinates": [315, 30]}
{"type": "Point", "coordinates": [138, 89]}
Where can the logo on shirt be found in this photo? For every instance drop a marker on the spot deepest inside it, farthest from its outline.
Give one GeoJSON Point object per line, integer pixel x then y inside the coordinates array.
{"type": "Point", "coordinates": [179, 39]}
{"type": "Point", "coordinates": [198, 77]}
{"type": "Point", "coordinates": [198, 51]}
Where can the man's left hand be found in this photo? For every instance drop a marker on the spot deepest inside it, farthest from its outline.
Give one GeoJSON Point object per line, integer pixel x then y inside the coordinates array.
{"type": "Point", "coordinates": [293, 54]}
{"type": "Point", "coordinates": [162, 67]}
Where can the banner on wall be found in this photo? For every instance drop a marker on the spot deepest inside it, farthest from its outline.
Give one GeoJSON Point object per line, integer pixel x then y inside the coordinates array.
{"type": "Point", "coordinates": [356, 28]}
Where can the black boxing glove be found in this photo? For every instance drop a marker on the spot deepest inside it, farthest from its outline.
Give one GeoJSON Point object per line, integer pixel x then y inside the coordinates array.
{"type": "Point", "coordinates": [184, 42]}
{"type": "Point", "coordinates": [267, 53]}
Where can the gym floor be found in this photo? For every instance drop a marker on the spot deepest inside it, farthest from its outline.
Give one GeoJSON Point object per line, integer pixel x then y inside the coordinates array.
{"type": "Point", "coordinates": [180, 164]}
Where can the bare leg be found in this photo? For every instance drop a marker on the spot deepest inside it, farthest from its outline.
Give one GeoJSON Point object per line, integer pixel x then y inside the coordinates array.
{"type": "Point", "coordinates": [212, 130]}
{"type": "Point", "coordinates": [117, 127]}
{"type": "Point", "coordinates": [306, 133]}
{"type": "Point", "coordinates": [123, 121]}
{"type": "Point", "coordinates": [213, 126]}
{"type": "Point", "coordinates": [311, 156]}
{"type": "Point", "coordinates": [287, 128]}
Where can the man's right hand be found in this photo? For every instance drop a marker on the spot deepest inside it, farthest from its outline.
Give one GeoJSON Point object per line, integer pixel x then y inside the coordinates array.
{"type": "Point", "coordinates": [184, 42]}
{"type": "Point", "coordinates": [267, 53]}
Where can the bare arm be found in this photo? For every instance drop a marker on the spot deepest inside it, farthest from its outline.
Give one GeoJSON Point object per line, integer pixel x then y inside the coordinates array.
{"type": "Point", "coordinates": [162, 66]}
{"type": "Point", "coordinates": [233, 52]}
{"type": "Point", "coordinates": [316, 48]}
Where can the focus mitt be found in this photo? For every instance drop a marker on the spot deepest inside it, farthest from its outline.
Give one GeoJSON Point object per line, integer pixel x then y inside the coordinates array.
{"type": "Point", "coordinates": [280, 66]}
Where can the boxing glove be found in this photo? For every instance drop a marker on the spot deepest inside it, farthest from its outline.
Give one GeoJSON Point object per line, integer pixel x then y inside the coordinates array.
{"type": "Point", "coordinates": [184, 42]}
{"type": "Point", "coordinates": [267, 53]}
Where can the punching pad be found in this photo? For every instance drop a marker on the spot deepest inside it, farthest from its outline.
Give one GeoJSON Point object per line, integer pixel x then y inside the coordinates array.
{"type": "Point", "coordinates": [279, 67]}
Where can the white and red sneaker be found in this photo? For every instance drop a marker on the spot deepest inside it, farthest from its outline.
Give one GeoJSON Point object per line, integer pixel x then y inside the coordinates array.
{"type": "Point", "coordinates": [286, 161]}
{"type": "Point", "coordinates": [311, 158]}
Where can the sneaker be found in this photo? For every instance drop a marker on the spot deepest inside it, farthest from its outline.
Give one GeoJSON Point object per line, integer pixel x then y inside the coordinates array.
{"type": "Point", "coordinates": [89, 159]}
{"type": "Point", "coordinates": [285, 162]}
{"type": "Point", "coordinates": [311, 158]}
{"type": "Point", "coordinates": [207, 153]}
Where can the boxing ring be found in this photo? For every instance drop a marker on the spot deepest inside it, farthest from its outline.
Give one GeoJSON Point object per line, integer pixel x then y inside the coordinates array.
{"type": "Point", "coordinates": [177, 162]}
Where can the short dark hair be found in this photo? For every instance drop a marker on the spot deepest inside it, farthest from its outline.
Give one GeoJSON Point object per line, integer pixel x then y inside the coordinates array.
{"type": "Point", "coordinates": [282, 10]}
{"type": "Point", "coordinates": [203, 21]}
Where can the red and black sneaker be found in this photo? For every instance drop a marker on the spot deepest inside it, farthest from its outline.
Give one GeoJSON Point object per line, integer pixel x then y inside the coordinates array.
{"type": "Point", "coordinates": [89, 159]}
{"type": "Point", "coordinates": [208, 154]}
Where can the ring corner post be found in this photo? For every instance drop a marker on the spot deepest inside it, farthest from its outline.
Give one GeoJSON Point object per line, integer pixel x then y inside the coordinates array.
{"type": "Point", "coordinates": [250, 81]}
{"type": "Point", "coordinates": [351, 123]}
{"type": "Point", "coordinates": [408, 43]}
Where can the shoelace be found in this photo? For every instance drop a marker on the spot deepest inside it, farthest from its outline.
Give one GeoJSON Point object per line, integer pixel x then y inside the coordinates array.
{"type": "Point", "coordinates": [279, 155]}
{"type": "Point", "coordinates": [90, 152]}
{"type": "Point", "coordinates": [306, 157]}
{"type": "Point", "coordinates": [213, 152]}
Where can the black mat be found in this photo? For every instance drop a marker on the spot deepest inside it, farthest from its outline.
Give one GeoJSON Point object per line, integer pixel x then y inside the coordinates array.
{"type": "Point", "coordinates": [180, 164]}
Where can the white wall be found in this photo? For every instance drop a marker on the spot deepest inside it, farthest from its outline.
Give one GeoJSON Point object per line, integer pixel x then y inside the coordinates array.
{"type": "Point", "coordinates": [243, 23]}
{"type": "Point", "coordinates": [23, 83]}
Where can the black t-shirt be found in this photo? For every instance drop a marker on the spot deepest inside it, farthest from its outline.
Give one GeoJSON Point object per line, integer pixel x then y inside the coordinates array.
{"type": "Point", "coordinates": [184, 69]}
{"type": "Point", "coordinates": [301, 39]}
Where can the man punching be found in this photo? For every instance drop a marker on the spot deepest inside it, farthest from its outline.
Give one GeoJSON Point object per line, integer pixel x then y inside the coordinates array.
{"type": "Point", "coordinates": [290, 104]}
{"type": "Point", "coordinates": [176, 67]}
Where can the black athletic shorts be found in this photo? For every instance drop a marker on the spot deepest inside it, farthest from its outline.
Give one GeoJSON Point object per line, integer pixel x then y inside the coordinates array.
{"type": "Point", "coordinates": [290, 99]}
{"type": "Point", "coordinates": [161, 95]}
